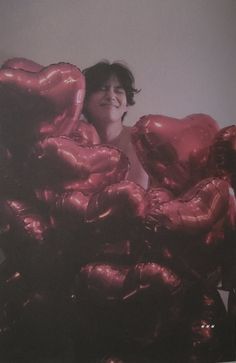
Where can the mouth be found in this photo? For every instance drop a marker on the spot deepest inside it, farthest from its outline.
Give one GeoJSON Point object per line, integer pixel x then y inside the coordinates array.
{"type": "Point", "coordinates": [109, 105]}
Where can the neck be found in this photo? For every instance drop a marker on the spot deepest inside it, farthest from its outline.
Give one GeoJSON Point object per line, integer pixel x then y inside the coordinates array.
{"type": "Point", "coordinates": [109, 132]}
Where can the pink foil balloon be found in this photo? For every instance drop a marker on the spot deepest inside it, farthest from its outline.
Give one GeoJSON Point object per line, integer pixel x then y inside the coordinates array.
{"type": "Point", "coordinates": [22, 63]}
{"type": "Point", "coordinates": [72, 205]}
{"type": "Point", "coordinates": [22, 218]}
{"type": "Point", "coordinates": [76, 180]}
{"type": "Point", "coordinates": [52, 97]}
{"type": "Point", "coordinates": [174, 151]}
{"type": "Point", "coordinates": [123, 200]}
{"type": "Point", "coordinates": [85, 134]}
{"type": "Point", "coordinates": [119, 282]}
{"type": "Point", "coordinates": [194, 212]}
{"type": "Point", "coordinates": [75, 167]}
{"type": "Point", "coordinates": [223, 154]}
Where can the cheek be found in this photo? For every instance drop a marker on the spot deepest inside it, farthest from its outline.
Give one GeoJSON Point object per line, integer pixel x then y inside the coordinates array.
{"type": "Point", "coordinates": [125, 107]}
{"type": "Point", "coordinates": [124, 104]}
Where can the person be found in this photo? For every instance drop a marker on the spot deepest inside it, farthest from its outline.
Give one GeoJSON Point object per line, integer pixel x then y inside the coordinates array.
{"type": "Point", "coordinates": [110, 91]}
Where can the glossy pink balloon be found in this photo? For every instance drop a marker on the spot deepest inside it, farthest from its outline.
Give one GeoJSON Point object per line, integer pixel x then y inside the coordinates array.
{"type": "Point", "coordinates": [123, 200]}
{"type": "Point", "coordinates": [71, 205]}
{"type": "Point", "coordinates": [174, 151]}
{"type": "Point", "coordinates": [85, 134]}
{"type": "Point", "coordinates": [75, 181]}
{"type": "Point", "coordinates": [209, 332]}
{"type": "Point", "coordinates": [74, 167]}
{"type": "Point", "coordinates": [52, 97]}
{"type": "Point", "coordinates": [22, 63]}
{"type": "Point", "coordinates": [223, 154]}
{"type": "Point", "coordinates": [23, 218]}
{"type": "Point", "coordinates": [195, 211]}
{"type": "Point", "coordinates": [112, 282]}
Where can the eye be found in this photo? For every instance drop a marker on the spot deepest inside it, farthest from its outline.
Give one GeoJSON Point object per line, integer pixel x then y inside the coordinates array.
{"type": "Point", "coordinates": [120, 90]}
{"type": "Point", "coordinates": [102, 88]}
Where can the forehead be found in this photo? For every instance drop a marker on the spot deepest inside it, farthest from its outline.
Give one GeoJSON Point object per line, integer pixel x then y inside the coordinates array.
{"type": "Point", "coordinates": [112, 80]}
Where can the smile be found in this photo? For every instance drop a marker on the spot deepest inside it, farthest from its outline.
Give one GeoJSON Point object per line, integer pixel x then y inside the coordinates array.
{"type": "Point", "coordinates": [109, 105]}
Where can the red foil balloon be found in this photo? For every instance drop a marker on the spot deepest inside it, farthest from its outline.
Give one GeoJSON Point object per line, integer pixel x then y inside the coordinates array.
{"type": "Point", "coordinates": [123, 200]}
{"type": "Point", "coordinates": [69, 210]}
{"type": "Point", "coordinates": [85, 134]}
{"type": "Point", "coordinates": [75, 180]}
{"type": "Point", "coordinates": [22, 63]}
{"type": "Point", "coordinates": [33, 323]}
{"type": "Point", "coordinates": [8, 177]}
{"type": "Point", "coordinates": [66, 209]}
{"type": "Point", "coordinates": [112, 282]}
{"type": "Point", "coordinates": [209, 337]}
{"type": "Point", "coordinates": [46, 195]}
{"type": "Point", "coordinates": [159, 195]}
{"type": "Point", "coordinates": [75, 202]}
{"type": "Point", "coordinates": [23, 220]}
{"type": "Point", "coordinates": [68, 166]}
{"type": "Point", "coordinates": [186, 214]}
{"type": "Point", "coordinates": [51, 98]}
{"type": "Point", "coordinates": [223, 154]}
{"type": "Point", "coordinates": [194, 212]}
{"type": "Point", "coordinates": [174, 152]}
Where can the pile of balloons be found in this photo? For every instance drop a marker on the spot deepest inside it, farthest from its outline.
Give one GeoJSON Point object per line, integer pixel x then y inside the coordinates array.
{"type": "Point", "coordinates": [90, 259]}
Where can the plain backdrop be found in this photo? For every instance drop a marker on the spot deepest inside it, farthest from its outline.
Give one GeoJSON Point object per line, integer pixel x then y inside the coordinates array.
{"type": "Point", "coordinates": [182, 52]}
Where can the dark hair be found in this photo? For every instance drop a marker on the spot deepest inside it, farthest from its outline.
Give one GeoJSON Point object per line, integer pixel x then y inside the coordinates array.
{"type": "Point", "coordinates": [98, 74]}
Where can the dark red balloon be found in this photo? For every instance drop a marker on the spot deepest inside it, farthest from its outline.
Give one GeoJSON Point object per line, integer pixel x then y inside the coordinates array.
{"type": "Point", "coordinates": [123, 200]}
{"type": "Point", "coordinates": [67, 165]}
{"type": "Point", "coordinates": [152, 258]}
{"type": "Point", "coordinates": [195, 211]}
{"type": "Point", "coordinates": [223, 154]}
{"type": "Point", "coordinates": [68, 210]}
{"type": "Point", "coordinates": [173, 151]}
{"type": "Point", "coordinates": [22, 63]}
{"type": "Point", "coordinates": [115, 282]}
{"type": "Point", "coordinates": [85, 134]}
{"type": "Point", "coordinates": [48, 101]}
{"type": "Point", "coordinates": [24, 220]}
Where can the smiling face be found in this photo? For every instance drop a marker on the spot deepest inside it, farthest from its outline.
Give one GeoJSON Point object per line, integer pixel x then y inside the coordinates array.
{"type": "Point", "coordinates": [107, 104]}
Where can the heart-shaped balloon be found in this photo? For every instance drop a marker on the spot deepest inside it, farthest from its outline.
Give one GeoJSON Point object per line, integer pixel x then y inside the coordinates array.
{"type": "Point", "coordinates": [24, 221]}
{"type": "Point", "coordinates": [59, 162]}
{"type": "Point", "coordinates": [38, 103]}
{"type": "Point", "coordinates": [174, 151]}
{"type": "Point", "coordinates": [85, 134]}
{"type": "Point", "coordinates": [69, 210]}
{"type": "Point", "coordinates": [22, 63]}
{"type": "Point", "coordinates": [124, 200]}
{"type": "Point", "coordinates": [223, 154]}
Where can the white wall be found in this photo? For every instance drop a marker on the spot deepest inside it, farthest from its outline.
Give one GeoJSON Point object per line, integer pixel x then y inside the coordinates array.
{"type": "Point", "coordinates": [183, 52]}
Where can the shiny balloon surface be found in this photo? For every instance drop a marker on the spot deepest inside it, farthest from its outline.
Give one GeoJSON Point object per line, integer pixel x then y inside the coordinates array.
{"type": "Point", "coordinates": [88, 254]}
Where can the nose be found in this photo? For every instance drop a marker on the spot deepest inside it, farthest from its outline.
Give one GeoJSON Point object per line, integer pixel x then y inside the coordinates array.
{"type": "Point", "coordinates": [110, 94]}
